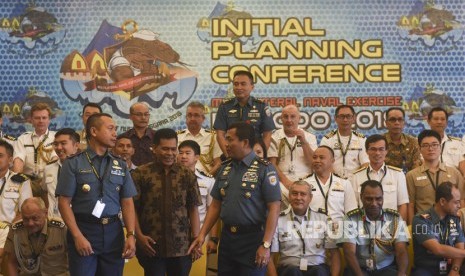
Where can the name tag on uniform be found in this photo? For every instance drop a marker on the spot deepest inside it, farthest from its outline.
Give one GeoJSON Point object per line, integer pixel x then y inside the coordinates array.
{"type": "Point", "coordinates": [117, 172]}
{"type": "Point", "coordinates": [98, 209]}
{"type": "Point", "coordinates": [422, 177]}
{"type": "Point", "coordinates": [303, 264]}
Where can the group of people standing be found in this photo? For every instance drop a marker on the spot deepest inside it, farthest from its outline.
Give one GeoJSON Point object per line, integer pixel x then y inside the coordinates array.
{"type": "Point", "coordinates": [286, 203]}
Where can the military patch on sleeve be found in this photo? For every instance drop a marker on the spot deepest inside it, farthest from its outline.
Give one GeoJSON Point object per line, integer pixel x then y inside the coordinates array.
{"type": "Point", "coordinates": [273, 179]}
{"type": "Point", "coordinates": [19, 178]}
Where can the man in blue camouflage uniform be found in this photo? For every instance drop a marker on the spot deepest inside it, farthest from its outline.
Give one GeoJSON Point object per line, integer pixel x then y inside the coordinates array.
{"type": "Point", "coordinates": [93, 186]}
{"type": "Point", "coordinates": [246, 196]}
{"type": "Point", "coordinates": [244, 108]}
{"type": "Point", "coordinates": [438, 239]}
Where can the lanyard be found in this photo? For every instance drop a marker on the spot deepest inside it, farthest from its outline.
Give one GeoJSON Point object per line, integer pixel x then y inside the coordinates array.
{"type": "Point", "coordinates": [381, 180]}
{"type": "Point", "coordinates": [3, 186]}
{"type": "Point", "coordinates": [443, 238]}
{"type": "Point", "coordinates": [40, 245]}
{"type": "Point", "coordinates": [36, 149]}
{"type": "Point", "coordinates": [344, 152]}
{"type": "Point", "coordinates": [435, 185]}
{"type": "Point", "coordinates": [100, 179]}
{"type": "Point", "coordinates": [325, 196]}
{"type": "Point", "coordinates": [298, 231]}
{"type": "Point", "coordinates": [442, 150]}
{"type": "Point", "coordinates": [293, 147]}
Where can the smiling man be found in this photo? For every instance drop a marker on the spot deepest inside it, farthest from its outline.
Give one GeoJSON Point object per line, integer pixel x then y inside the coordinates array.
{"type": "Point", "coordinates": [167, 209]}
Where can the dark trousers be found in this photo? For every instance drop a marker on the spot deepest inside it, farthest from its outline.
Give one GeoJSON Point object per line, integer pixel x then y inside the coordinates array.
{"type": "Point", "coordinates": [426, 271]}
{"type": "Point", "coordinates": [173, 266]}
{"type": "Point", "coordinates": [390, 270]}
{"type": "Point", "coordinates": [316, 270]}
{"type": "Point", "coordinates": [236, 254]}
{"type": "Point", "coordinates": [107, 242]}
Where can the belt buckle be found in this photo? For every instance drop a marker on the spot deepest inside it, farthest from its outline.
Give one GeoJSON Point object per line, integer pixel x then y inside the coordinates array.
{"type": "Point", "coordinates": [105, 221]}
{"type": "Point", "coordinates": [233, 229]}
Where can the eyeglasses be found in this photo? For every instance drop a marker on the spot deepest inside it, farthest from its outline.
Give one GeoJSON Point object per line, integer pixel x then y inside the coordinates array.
{"type": "Point", "coordinates": [377, 149]}
{"type": "Point", "coordinates": [345, 116]}
{"type": "Point", "coordinates": [141, 114]}
{"type": "Point", "coordinates": [430, 146]}
{"type": "Point", "coordinates": [393, 120]}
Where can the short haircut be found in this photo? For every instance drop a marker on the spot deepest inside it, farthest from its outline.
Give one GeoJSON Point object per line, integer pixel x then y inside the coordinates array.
{"type": "Point", "coordinates": [7, 146]}
{"type": "Point", "coordinates": [263, 145]}
{"type": "Point", "coordinates": [190, 144]}
{"type": "Point", "coordinates": [37, 201]}
{"type": "Point", "coordinates": [301, 183]}
{"type": "Point", "coordinates": [123, 136]}
{"type": "Point", "coordinates": [91, 105]}
{"type": "Point", "coordinates": [444, 190]}
{"type": "Point", "coordinates": [94, 121]}
{"type": "Point", "coordinates": [371, 184]}
{"type": "Point", "coordinates": [164, 133]}
{"type": "Point", "coordinates": [73, 135]}
{"type": "Point", "coordinates": [196, 104]}
{"type": "Point", "coordinates": [131, 109]}
{"type": "Point", "coordinates": [40, 107]}
{"type": "Point", "coordinates": [331, 151]}
{"type": "Point", "coordinates": [428, 133]}
{"type": "Point", "coordinates": [393, 109]}
{"type": "Point", "coordinates": [244, 73]}
{"type": "Point", "coordinates": [345, 106]}
{"type": "Point", "coordinates": [373, 139]}
{"type": "Point", "coordinates": [437, 109]}
{"type": "Point", "coordinates": [244, 131]}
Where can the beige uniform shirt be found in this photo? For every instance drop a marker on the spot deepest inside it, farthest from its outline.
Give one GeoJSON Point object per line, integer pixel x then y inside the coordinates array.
{"type": "Point", "coordinates": [50, 243]}
{"type": "Point", "coordinates": [420, 186]}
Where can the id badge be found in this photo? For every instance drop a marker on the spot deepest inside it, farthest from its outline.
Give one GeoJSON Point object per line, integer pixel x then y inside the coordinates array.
{"type": "Point", "coordinates": [303, 264]}
{"type": "Point", "coordinates": [98, 209]}
{"type": "Point", "coordinates": [443, 268]}
{"type": "Point", "coordinates": [370, 264]}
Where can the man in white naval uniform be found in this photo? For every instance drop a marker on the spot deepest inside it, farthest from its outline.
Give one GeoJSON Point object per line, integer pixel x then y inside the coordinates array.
{"type": "Point", "coordinates": [391, 178]}
{"type": "Point", "coordinates": [291, 151]}
{"type": "Point", "coordinates": [349, 152]}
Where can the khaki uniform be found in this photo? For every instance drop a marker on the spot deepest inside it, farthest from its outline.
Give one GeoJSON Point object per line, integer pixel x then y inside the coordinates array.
{"type": "Point", "coordinates": [49, 244]}
{"type": "Point", "coordinates": [406, 155]}
{"type": "Point", "coordinates": [420, 187]}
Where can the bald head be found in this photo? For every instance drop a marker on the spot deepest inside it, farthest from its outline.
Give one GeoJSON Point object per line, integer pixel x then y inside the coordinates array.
{"type": "Point", "coordinates": [290, 118]}
{"type": "Point", "coordinates": [34, 214]}
{"type": "Point", "coordinates": [33, 203]}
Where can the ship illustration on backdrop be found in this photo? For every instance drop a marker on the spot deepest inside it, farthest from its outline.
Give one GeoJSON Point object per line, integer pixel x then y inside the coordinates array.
{"type": "Point", "coordinates": [428, 22]}
{"type": "Point", "coordinates": [420, 102]}
{"type": "Point", "coordinates": [226, 11]}
{"type": "Point", "coordinates": [125, 65]}
{"type": "Point", "coordinates": [31, 29]}
{"type": "Point", "coordinates": [17, 112]}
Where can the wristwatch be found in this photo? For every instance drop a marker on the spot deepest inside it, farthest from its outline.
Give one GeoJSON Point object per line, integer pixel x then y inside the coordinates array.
{"type": "Point", "coordinates": [266, 244]}
{"type": "Point", "coordinates": [130, 233]}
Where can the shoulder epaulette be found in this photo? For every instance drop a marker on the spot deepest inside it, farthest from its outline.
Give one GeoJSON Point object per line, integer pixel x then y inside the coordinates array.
{"type": "Point", "coordinates": [354, 212]}
{"type": "Point", "coordinates": [212, 131]}
{"type": "Point", "coordinates": [307, 176]}
{"type": "Point", "coordinates": [26, 133]}
{"type": "Point", "coordinates": [392, 212]}
{"type": "Point", "coordinates": [285, 212]}
{"type": "Point", "coordinates": [455, 138]}
{"type": "Point", "coordinates": [356, 133]}
{"type": "Point", "coordinates": [394, 168]}
{"type": "Point", "coordinates": [320, 211]}
{"type": "Point", "coordinates": [53, 161]}
{"type": "Point", "coordinates": [229, 101]}
{"type": "Point", "coordinates": [227, 161]}
{"type": "Point", "coordinates": [341, 177]}
{"type": "Point", "coordinates": [257, 100]}
{"type": "Point", "coordinates": [181, 131]}
{"type": "Point", "coordinates": [55, 222]}
{"type": "Point", "coordinates": [331, 133]}
{"type": "Point", "coordinates": [9, 137]}
{"type": "Point", "coordinates": [4, 225]}
{"type": "Point", "coordinates": [17, 225]}
{"type": "Point", "coordinates": [205, 174]}
{"type": "Point", "coordinates": [19, 178]}
{"type": "Point", "coordinates": [263, 161]}
{"type": "Point", "coordinates": [359, 170]}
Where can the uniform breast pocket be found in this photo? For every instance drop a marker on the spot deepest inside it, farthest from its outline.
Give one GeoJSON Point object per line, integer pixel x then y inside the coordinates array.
{"type": "Point", "coordinates": [389, 191]}
{"type": "Point", "coordinates": [84, 179]}
{"type": "Point", "coordinates": [337, 193]}
{"type": "Point", "coordinates": [248, 190]}
{"type": "Point", "coordinates": [55, 249]}
{"type": "Point", "coordinates": [422, 183]}
{"type": "Point", "coordinates": [116, 182]}
{"type": "Point", "coordinates": [285, 237]}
